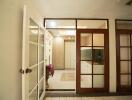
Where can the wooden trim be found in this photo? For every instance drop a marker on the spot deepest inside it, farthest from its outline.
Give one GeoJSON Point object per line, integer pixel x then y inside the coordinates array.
{"type": "Point", "coordinates": [60, 89]}
{"type": "Point", "coordinates": [75, 19]}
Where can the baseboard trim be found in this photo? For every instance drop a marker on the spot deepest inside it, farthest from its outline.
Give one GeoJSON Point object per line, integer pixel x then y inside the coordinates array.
{"type": "Point", "coordinates": [85, 95]}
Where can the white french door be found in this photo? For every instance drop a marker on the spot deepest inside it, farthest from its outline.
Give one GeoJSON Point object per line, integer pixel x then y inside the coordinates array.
{"type": "Point", "coordinates": [33, 64]}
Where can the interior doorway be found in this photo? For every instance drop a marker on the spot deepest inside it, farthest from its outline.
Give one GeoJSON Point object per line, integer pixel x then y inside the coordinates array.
{"type": "Point", "coordinates": [67, 53]}
{"type": "Point", "coordinates": [70, 55]}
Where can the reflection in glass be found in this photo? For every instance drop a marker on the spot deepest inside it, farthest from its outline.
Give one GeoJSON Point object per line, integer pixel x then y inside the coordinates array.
{"type": "Point", "coordinates": [125, 80]}
{"type": "Point", "coordinates": [86, 53]}
{"type": "Point", "coordinates": [86, 39]}
{"type": "Point", "coordinates": [125, 67]}
{"type": "Point", "coordinates": [124, 53]}
{"type": "Point", "coordinates": [98, 39]}
{"type": "Point", "coordinates": [33, 54]}
{"type": "Point", "coordinates": [86, 81]}
{"type": "Point", "coordinates": [124, 40]}
{"type": "Point", "coordinates": [34, 95]}
{"type": "Point", "coordinates": [98, 81]}
{"type": "Point", "coordinates": [86, 67]}
{"type": "Point", "coordinates": [34, 30]}
{"type": "Point", "coordinates": [41, 70]}
{"type": "Point", "coordinates": [98, 55]}
{"type": "Point", "coordinates": [33, 78]}
{"type": "Point", "coordinates": [41, 87]}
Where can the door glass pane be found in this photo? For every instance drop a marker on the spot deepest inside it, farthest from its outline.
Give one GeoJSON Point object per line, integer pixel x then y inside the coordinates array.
{"type": "Point", "coordinates": [41, 37]}
{"type": "Point", "coordinates": [41, 87]}
{"type": "Point", "coordinates": [60, 23]}
{"type": "Point", "coordinates": [41, 70]}
{"type": "Point", "coordinates": [125, 80]}
{"type": "Point", "coordinates": [92, 24]}
{"type": "Point", "coordinates": [98, 55]}
{"type": "Point", "coordinates": [124, 40]}
{"type": "Point", "coordinates": [41, 53]}
{"type": "Point", "coordinates": [98, 69]}
{"type": "Point", "coordinates": [33, 54]}
{"type": "Point", "coordinates": [124, 24]}
{"type": "Point", "coordinates": [86, 39]}
{"type": "Point", "coordinates": [86, 81]}
{"type": "Point", "coordinates": [98, 81]}
{"type": "Point", "coordinates": [86, 53]}
{"type": "Point", "coordinates": [124, 53]}
{"type": "Point", "coordinates": [125, 66]}
{"type": "Point", "coordinates": [98, 39]}
{"type": "Point", "coordinates": [34, 30]}
{"type": "Point", "coordinates": [33, 78]}
{"type": "Point", "coordinates": [34, 95]}
{"type": "Point", "coordinates": [86, 67]}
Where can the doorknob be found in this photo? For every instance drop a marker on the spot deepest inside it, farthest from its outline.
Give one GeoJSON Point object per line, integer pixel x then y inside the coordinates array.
{"type": "Point", "coordinates": [28, 70]}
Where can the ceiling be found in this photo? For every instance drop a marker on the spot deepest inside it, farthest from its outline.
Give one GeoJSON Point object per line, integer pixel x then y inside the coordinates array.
{"type": "Point", "coordinates": [83, 8]}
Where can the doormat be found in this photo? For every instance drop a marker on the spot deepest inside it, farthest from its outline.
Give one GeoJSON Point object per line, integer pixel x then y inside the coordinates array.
{"type": "Point", "coordinates": [68, 77]}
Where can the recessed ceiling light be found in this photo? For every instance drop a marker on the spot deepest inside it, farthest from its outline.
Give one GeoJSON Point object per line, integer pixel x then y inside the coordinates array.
{"type": "Point", "coordinates": [52, 24]}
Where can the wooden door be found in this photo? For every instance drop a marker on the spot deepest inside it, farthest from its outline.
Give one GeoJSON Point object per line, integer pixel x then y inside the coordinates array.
{"type": "Point", "coordinates": [92, 67]}
{"type": "Point", "coordinates": [124, 60]}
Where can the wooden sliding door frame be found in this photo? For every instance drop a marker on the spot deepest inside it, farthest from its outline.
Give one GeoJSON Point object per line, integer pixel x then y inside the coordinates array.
{"type": "Point", "coordinates": [106, 61]}
{"type": "Point", "coordinates": [118, 32]}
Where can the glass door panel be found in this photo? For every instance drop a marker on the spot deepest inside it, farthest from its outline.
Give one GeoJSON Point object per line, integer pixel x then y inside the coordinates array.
{"type": "Point", "coordinates": [33, 31]}
{"type": "Point", "coordinates": [86, 67]}
{"type": "Point", "coordinates": [41, 53]}
{"type": "Point", "coordinates": [98, 81]}
{"type": "Point", "coordinates": [125, 67]}
{"type": "Point", "coordinates": [86, 81]}
{"type": "Point", "coordinates": [124, 40]}
{"type": "Point", "coordinates": [41, 70]}
{"type": "Point", "coordinates": [33, 54]}
{"type": "Point", "coordinates": [98, 69]}
{"type": "Point", "coordinates": [98, 39]}
{"type": "Point", "coordinates": [91, 62]}
{"type": "Point", "coordinates": [34, 94]}
{"type": "Point", "coordinates": [125, 53]}
{"type": "Point", "coordinates": [86, 53]}
{"type": "Point", "coordinates": [33, 78]}
{"type": "Point", "coordinates": [125, 80]}
{"type": "Point", "coordinates": [86, 39]}
{"type": "Point", "coordinates": [41, 87]}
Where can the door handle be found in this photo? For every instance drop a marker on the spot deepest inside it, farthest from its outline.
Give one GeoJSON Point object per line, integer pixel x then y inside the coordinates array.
{"type": "Point", "coordinates": [28, 70]}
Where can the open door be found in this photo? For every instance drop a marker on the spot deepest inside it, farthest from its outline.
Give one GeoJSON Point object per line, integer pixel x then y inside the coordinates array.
{"type": "Point", "coordinates": [33, 64]}
{"type": "Point", "coordinates": [92, 70]}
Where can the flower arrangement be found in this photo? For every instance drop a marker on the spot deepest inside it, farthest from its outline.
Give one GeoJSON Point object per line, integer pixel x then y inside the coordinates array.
{"type": "Point", "coordinates": [49, 72]}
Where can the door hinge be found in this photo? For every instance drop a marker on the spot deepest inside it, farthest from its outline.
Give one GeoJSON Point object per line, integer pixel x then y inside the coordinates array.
{"type": "Point", "coordinates": [22, 71]}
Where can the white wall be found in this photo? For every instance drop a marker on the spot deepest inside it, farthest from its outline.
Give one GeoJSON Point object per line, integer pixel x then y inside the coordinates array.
{"type": "Point", "coordinates": [10, 48]}
{"type": "Point", "coordinates": [112, 56]}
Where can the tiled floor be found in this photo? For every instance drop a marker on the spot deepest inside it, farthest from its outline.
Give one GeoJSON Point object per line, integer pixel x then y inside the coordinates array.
{"type": "Point", "coordinates": [56, 82]}
{"type": "Point", "coordinates": [91, 98]}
